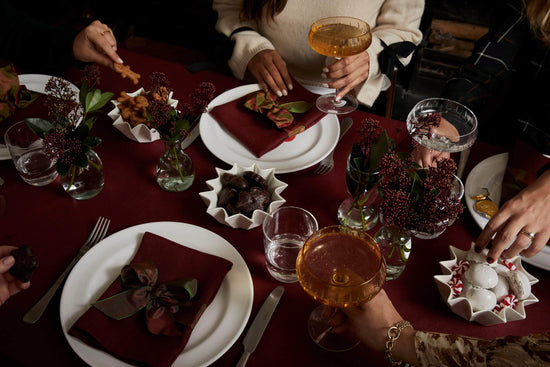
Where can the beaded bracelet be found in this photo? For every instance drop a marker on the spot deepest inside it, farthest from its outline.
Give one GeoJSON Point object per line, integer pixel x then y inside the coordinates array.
{"type": "Point", "coordinates": [394, 333]}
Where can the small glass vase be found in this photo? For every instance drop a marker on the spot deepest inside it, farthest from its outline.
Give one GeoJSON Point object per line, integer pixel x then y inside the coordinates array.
{"type": "Point", "coordinates": [84, 183]}
{"type": "Point", "coordinates": [175, 170]}
{"type": "Point", "coordinates": [357, 210]}
{"type": "Point", "coordinates": [395, 244]}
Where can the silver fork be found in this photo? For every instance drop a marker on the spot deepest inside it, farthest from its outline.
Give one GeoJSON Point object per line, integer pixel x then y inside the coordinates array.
{"type": "Point", "coordinates": [327, 164]}
{"type": "Point", "coordinates": [98, 233]}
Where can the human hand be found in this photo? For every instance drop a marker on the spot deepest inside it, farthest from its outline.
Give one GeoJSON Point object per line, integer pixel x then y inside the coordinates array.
{"type": "Point", "coordinates": [96, 43]}
{"type": "Point", "coordinates": [427, 157]}
{"type": "Point", "coordinates": [528, 211]}
{"type": "Point", "coordinates": [347, 73]}
{"type": "Point", "coordinates": [8, 284]}
{"type": "Point", "coordinates": [269, 70]}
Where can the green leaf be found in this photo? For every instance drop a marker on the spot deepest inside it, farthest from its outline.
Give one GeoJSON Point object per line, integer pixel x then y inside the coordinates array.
{"type": "Point", "coordinates": [83, 93]}
{"type": "Point", "coordinates": [297, 107]}
{"type": "Point", "coordinates": [378, 150]}
{"type": "Point", "coordinates": [91, 141]}
{"type": "Point", "coordinates": [95, 100]}
{"type": "Point", "coordinates": [39, 126]}
{"type": "Point", "coordinates": [81, 160]}
{"type": "Point", "coordinates": [62, 168]}
{"type": "Point", "coordinates": [80, 132]}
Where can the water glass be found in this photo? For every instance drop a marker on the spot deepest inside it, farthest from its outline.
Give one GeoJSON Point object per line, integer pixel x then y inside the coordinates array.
{"type": "Point", "coordinates": [285, 232]}
{"type": "Point", "coordinates": [27, 152]}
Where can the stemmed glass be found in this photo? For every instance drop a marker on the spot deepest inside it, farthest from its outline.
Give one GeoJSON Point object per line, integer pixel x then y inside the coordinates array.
{"type": "Point", "coordinates": [340, 267]}
{"type": "Point", "coordinates": [457, 131]}
{"type": "Point", "coordinates": [338, 37]}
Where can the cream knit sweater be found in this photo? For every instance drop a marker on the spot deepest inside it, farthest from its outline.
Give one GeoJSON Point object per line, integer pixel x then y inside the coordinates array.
{"type": "Point", "coordinates": [390, 20]}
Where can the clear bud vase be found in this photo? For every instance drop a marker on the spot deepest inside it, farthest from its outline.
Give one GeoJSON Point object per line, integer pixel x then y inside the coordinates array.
{"type": "Point", "coordinates": [395, 244]}
{"type": "Point", "coordinates": [84, 183]}
{"type": "Point", "coordinates": [175, 170]}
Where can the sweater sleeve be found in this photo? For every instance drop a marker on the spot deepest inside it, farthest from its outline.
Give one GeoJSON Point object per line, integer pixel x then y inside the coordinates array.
{"type": "Point", "coordinates": [247, 43]}
{"type": "Point", "coordinates": [437, 349]}
{"type": "Point", "coordinates": [30, 43]}
{"type": "Point", "coordinates": [398, 21]}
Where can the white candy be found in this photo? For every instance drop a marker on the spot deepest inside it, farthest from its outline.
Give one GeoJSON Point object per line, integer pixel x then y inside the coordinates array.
{"type": "Point", "coordinates": [481, 275]}
{"type": "Point", "coordinates": [501, 290]}
{"type": "Point", "coordinates": [481, 299]}
{"type": "Point", "coordinates": [519, 284]}
{"type": "Point", "coordinates": [501, 269]}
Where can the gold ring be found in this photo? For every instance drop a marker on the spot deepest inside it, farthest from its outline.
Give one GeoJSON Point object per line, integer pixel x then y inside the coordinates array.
{"type": "Point", "coordinates": [105, 31]}
{"type": "Point", "coordinates": [531, 235]}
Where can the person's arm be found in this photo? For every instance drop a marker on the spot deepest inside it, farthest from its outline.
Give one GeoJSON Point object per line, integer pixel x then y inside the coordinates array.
{"type": "Point", "coordinates": [9, 286]}
{"type": "Point", "coordinates": [527, 211]}
{"type": "Point", "coordinates": [398, 21]}
{"type": "Point", "coordinates": [252, 52]}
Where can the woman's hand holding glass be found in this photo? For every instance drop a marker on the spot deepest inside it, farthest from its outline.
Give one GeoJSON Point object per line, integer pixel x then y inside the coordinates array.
{"type": "Point", "coordinates": [347, 73]}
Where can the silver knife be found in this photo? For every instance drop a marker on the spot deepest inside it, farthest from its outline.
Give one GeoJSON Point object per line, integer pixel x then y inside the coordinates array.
{"type": "Point", "coordinates": [259, 324]}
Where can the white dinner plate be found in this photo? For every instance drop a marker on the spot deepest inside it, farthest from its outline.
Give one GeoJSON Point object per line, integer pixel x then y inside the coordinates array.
{"type": "Point", "coordinates": [489, 173]}
{"type": "Point", "coordinates": [305, 150]}
{"type": "Point", "coordinates": [217, 329]}
{"type": "Point", "coordinates": [35, 83]}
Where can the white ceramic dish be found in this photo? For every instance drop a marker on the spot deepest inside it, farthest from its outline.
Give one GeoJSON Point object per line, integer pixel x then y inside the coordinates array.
{"type": "Point", "coordinates": [35, 83]}
{"type": "Point", "coordinates": [462, 306]}
{"type": "Point", "coordinates": [305, 150]}
{"type": "Point", "coordinates": [140, 133]}
{"type": "Point", "coordinates": [218, 328]}
{"type": "Point", "coordinates": [210, 198]}
{"type": "Point", "coordinates": [489, 173]}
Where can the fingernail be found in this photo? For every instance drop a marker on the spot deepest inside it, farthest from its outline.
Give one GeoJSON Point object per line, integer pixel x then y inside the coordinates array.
{"type": "Point", "coordinates": [290, 87]}
{"type": "Point", "coordinates": [337, 99]}
{"type": "Point", "coordinates": [325, 85]}
{"type": "Point", "coordinates": [477, 249]}
{"type": "Point", "coordinates": [490, 260]}
{"type": "Point", "coordinates": [8, 260]}
{"type": "Point", "coordinates": [279, 94]}
{"type": "Point", "coordinates": [325, 70]}
{"type": "Point", "coordinates": [120, 61]}
{"type": "Point", "coordinates": [324, 76]}
{"type": "Point", "coordinates": [285, 93]}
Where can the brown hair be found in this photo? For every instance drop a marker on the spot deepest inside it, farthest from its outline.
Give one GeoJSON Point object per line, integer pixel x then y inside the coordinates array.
{"type": "Point", "coordinates": [254, 9]}
{"type": "Point", "coordinates": [537, 13]}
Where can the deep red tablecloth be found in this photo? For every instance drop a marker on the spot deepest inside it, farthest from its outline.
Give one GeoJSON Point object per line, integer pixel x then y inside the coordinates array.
{"type": "Point", "coordinates": [55, 226]}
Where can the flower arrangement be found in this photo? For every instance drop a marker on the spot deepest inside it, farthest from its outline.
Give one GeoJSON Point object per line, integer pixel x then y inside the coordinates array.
{"type": "Point", "coordinates": [173, 125]}
{"type": "Point", "coordinates": [67, 138]}
{"type": "Point", "coordinates": [415, 198]}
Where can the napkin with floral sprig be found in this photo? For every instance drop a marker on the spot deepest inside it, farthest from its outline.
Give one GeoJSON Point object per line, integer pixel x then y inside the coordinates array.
{"type": "Point", "coordinates": [131, 339]}
{"type": "Point", "coordinates": [12, 95]}
{"type": "Point", "coordinates": [256, 131]}
{"type": "Point", "coordinates": [525, 165]}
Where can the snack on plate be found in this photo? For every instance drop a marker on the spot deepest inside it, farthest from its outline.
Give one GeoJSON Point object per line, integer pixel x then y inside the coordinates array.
{"type": "Point", "coordinates": [243, 194]}
{"type": "Point", "coordinates": [126, 72]}
{"type": "Point", "coordinates": [133, 109]}
{"type": "Point", "coordinates": [25, 263]}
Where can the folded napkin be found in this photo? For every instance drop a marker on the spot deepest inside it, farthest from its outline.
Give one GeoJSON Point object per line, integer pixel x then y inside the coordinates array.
{"type": "Point", "coordinates": [525, 165]}
{"type": "Point", "coordinates": [128, 339]}
{"type": "Point", "coordinates": [258, 133]}
{"type": "Point", "coordinates": [12, 95]}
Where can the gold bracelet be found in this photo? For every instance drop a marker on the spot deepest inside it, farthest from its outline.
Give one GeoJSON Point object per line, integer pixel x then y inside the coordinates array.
{"type": "Point", "coordinates": [394, 333]}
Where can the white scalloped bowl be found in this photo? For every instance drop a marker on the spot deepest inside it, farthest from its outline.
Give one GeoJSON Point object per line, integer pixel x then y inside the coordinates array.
{"type": "Point", "coordinates": [140, 133]}
{"type": "Point", "coordinates": [210, 198]}
{"type": "Point", "coordinates": [462, 306]}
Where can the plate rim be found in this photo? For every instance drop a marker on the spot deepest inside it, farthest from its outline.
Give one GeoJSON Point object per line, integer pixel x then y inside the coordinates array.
{"type": "Point", "coordinates": [207, 120]}
{"type": "Point", "coordinates": [169, 230]}
{"type": "Point", "coordinates": [542, 259]}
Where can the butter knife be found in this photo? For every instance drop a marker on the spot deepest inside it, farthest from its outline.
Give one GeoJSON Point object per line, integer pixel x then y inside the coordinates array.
{"type": "Point", "coordinates": [259, 324]}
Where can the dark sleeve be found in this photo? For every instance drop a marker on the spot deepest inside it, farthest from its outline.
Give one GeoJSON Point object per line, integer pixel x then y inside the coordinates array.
{"type": "Point", "coordinates": [493, 62]}
{"type": "Point", "coordinates": [30, 43]}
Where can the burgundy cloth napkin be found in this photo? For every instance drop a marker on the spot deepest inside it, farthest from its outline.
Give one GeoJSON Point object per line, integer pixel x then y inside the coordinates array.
{"type": "Point", "coordinates": [254, 130]}
{"type": "Point", "coordinates": [525, 165]}
{"type": "Point", "coordinates": [128, 339]}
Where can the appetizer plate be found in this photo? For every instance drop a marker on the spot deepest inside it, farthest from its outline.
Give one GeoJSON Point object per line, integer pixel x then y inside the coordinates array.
{"type": "Point", "coordinates": [489, 173]}
{"type": "Point", "coordinates": [35, 83]}
{"type": "Point", "coordinates": [218, 328]}
{"type": "Point", "coordinates": [305, 150]}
